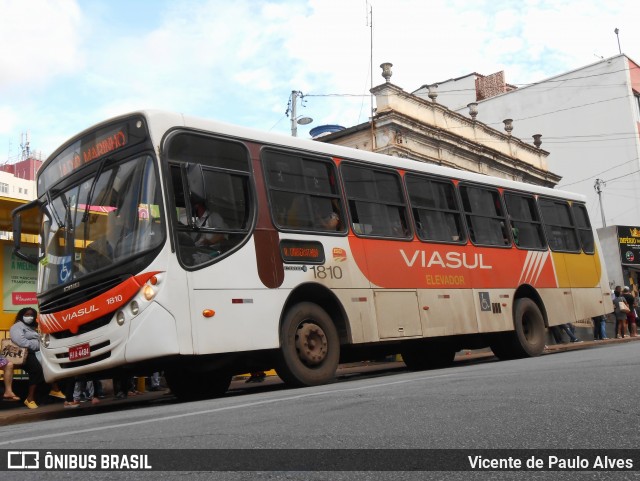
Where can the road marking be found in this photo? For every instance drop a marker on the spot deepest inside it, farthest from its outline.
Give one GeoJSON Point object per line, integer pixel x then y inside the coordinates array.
{"type": "Point", "coordinates": [217, 410]}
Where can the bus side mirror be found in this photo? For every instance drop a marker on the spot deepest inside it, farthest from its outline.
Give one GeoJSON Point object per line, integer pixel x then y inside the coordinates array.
{"type": "Point", "coordinates": [16, 214]}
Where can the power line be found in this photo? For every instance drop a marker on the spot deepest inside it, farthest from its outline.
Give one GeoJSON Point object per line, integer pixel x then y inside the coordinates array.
{"type": "Point", "coordinates": [563, 186]}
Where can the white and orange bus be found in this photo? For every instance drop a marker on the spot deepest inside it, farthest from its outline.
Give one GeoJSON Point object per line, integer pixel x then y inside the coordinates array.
{"type": "Point", "coordinates": [176, 243]}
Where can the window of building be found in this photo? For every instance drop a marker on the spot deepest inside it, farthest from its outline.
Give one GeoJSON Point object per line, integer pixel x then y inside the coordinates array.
{"type": "Point", "coordinates": [558, 224]}
{"type": "Point", "coordinates": [435, 209]}
{"type": "Point", "coordinates": [485, 216]}
{"type": "Point", "coordinates": [526, 226]}
{"type": "Point", "coordinates": [4, 188]}
{"type": "Point", "coordinates": [304, 192]}
{"type": "Point", "coordinates": [376, 203]}
{"type": "Point", "coordinates": [584, 227]}
{"type": "Point", "coordinates": [637, 97]}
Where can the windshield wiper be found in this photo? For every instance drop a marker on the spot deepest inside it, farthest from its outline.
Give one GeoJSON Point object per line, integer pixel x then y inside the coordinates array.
{"type": "Point", "coordinates": [85, 216]}
{"type": "Point", "coordinates": [53, 210]}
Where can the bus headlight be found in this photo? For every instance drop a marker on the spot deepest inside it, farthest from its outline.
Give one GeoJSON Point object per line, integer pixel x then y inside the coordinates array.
{"type": "Point", "coordinates": [148, 292]}
{"type": "Point", "coordinates": [120, 318]}
{"type": "Point", "coordinates": [135, 308]}
{"type": "Point", "coordinates": [45, 339]}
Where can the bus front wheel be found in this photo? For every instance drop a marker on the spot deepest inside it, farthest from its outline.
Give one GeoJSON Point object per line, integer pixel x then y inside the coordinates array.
{"type": "Point", "coordinates": [309, 346]}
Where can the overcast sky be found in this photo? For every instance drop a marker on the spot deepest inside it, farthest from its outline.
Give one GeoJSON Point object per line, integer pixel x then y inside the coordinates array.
{"type": "Point", "coordinates": [67, 64]}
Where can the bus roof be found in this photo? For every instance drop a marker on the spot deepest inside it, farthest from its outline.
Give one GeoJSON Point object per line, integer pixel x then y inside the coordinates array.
{"type": "Point", "coordinates": [160, 121]}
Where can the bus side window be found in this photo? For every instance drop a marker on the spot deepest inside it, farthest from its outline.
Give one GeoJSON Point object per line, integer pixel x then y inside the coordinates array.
{"type": "Point", "coordinates": [484, 215]}
{"type": "Point", "coordinates": [435, 209]}
{"type": "Point", "coordinates": [525, 222]}
{"type": "Point", "coordinates": [376, 203]}
{"type": "Point", "coordinates": [559, 226]}
{"type": "Point", "coordinates": [584, 228]}
{"type": "Point", "coordinates": [212, 195]}
{"type": "Point", "coordinates": [303, 192]}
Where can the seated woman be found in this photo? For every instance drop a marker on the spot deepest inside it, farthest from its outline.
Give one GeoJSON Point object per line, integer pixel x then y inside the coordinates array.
{"type": "Point", "coordinates": [7, 367]}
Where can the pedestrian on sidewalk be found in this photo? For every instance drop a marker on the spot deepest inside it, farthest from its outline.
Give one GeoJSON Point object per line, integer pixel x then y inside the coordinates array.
{"type": "Point", "coordinates": [7, 368]}
{"type": "Point", "coordinates": [620, 309]}
{"type": "Point", "coordinates": [631, 315]}
{"type": "Point", "coordinates": [570, 331]}
{"type": "Point", "coordinates": [24, 333]}
{"type": "Point", "coordinates": [599, 325]}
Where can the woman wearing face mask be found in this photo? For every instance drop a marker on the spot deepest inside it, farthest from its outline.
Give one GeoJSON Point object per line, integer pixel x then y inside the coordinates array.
{"type": "Point", "coordinates": [25, 334]}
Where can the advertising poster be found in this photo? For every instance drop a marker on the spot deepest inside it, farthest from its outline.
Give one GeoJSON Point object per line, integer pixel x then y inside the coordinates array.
{"type": "Point", "coordinates": [629, 239]}
{"type": "Point", "coordinates": [18, 280]}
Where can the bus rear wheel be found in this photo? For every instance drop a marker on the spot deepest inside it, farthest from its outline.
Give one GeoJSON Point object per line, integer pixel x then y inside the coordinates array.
{"type": "Point", "coordinates": [309, 346]}
{"type": "Point", "coordinates": [193, 386]}
{"type": "Point", "coordinates": [528, 336]}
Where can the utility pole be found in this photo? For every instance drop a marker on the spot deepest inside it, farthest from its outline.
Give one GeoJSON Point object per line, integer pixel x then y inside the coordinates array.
{"type": "Point", "coordinates": [598, 186]}
{"type": "Point", "coordinates": [616, 31]}
{"type": "Point", "coordinates": [292, 108]}
{"type": "Point", "coordinates": [294, 102]}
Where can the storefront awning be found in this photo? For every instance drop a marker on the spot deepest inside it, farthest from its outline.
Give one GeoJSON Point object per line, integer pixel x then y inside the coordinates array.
{"type": "Point", "coordinates": [30, 218]}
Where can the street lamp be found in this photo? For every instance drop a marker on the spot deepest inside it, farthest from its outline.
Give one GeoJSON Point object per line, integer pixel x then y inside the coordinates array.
{"type": "Point", "coordinates": [295, 120]}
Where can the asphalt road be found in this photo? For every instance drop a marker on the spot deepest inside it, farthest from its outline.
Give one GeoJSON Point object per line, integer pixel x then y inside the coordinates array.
{"type": "Point", "coordinates": [581, 399]}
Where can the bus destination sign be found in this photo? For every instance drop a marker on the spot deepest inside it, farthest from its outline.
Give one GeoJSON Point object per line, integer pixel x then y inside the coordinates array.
{"type": "Point", "coordinates": [89, 148]}
{"type": "Point", "coordinates": [302, 252]}
{"type": "Point", "coordinates": [114, 140]}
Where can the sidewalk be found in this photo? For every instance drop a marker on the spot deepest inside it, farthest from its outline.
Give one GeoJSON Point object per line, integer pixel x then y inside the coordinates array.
{"type": "Point", "coordinates": [16, 412]}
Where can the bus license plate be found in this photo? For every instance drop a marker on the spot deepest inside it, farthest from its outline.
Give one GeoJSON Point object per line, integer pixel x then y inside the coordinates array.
{"type": "Point", "coordinates": [79, 352]}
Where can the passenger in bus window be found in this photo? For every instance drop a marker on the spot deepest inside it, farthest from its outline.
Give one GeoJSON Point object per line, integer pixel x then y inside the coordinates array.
{"type": "Point", "coordinates": [516, 234]}
{"type": "Point", "coordinates": [331, 221]}
{"type": "Point", "coordinates": [213, 220]}
{"type": "Point", "coordinates": [326, 214]}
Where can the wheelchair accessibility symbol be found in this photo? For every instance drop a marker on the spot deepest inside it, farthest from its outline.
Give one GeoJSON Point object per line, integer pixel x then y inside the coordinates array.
{"type": "Point", "coordinates": [65, 270]}
{"type": "Point", "coordinates": [485, 301]}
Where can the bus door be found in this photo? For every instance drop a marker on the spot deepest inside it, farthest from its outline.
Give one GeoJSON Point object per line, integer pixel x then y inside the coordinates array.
{"type": "Point", "coordinates": [213, 206]}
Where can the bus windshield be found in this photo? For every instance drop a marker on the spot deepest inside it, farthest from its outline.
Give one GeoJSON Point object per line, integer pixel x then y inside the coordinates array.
{"type": "Point", "coordinates": [103, 220]}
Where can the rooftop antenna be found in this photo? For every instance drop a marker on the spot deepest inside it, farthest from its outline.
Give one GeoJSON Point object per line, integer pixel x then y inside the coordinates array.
{"type": "Point", "coordinates": [616, 31]}
{"type": "Point", "coordinates": [24, 145]}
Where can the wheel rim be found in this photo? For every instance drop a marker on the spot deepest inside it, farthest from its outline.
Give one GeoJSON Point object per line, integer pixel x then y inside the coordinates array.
{"type": "Point", "coordinates": [311, 344]}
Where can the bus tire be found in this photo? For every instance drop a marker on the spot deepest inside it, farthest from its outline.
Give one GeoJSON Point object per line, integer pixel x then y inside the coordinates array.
{"type": "Point", "coordinates": [528, 337]}
{"type": "Point", "coordinates": [193, 386]}
{"type": "Point", "coordinates": [309, 346]}
{"type": "Point", "coordinates": [421, 357]}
